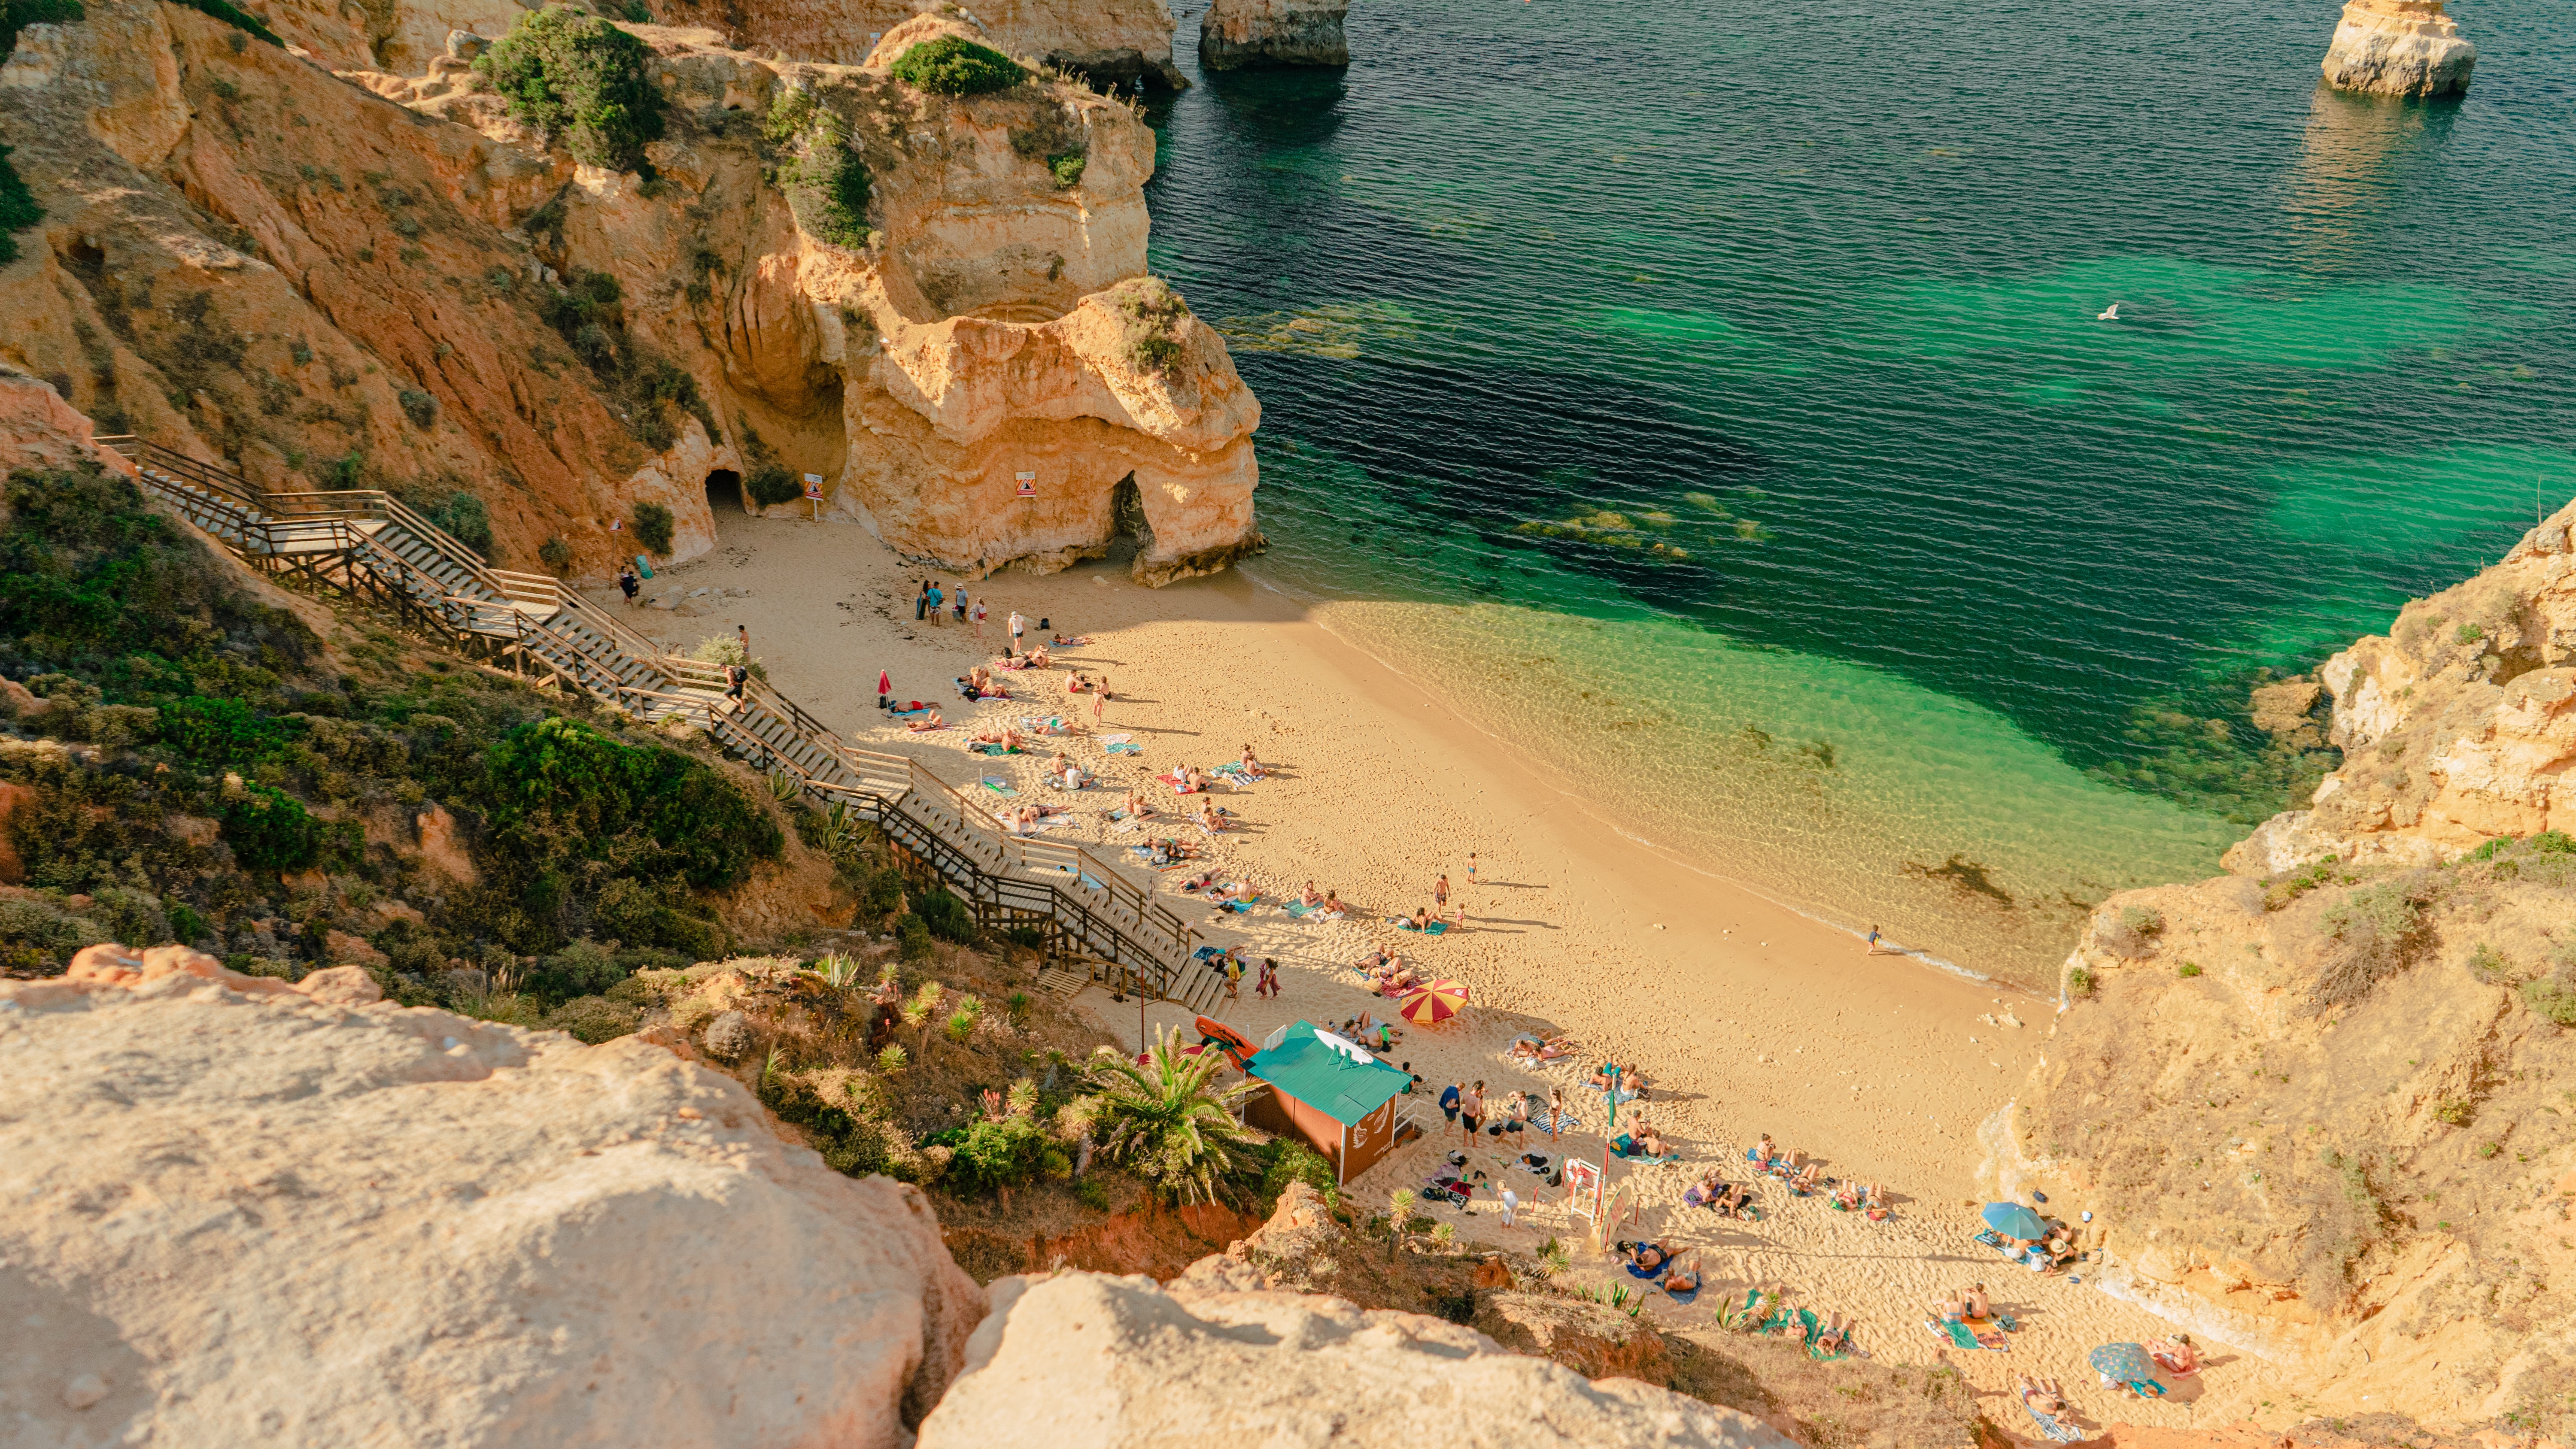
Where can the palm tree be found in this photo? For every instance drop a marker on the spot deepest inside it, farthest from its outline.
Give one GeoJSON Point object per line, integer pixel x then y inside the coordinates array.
{"type": "Point", "coordinates": [1168, 1121]}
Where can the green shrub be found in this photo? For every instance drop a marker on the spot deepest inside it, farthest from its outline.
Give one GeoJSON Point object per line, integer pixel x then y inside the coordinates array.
{"type": "Point", "coordinates": [914, 935]}
{"type": "Point", "coordinates": [2187, 970]}
{"type": "Point", "coordinates": [1286, 1160]}
{"type": "Point", "coordinates": [2133, 932]}
{"type": "Point", "coordinates": [653, 528]}
{"type": "Point", "coordinates": [721, 649]}
{"type": "Point", "coordinates": [944, 915]}
{"type": "Point", "coordinates": [269, 830]}
{"type": "Point", "coordinates": [1067, 168]}
{"type": "Point", "coordinates": [2490, 966]}
{"type": "Point", "coordinates": [17, 15]}
{"type": "Point", "coordinates": [38, 936]}
{"type": "Point", "coordinates": [771, 484]}
{"type": "Point", "coordinates": [825, 182]}
{"type": "Point", "coordinates": [993, 1156]}
{"type": "Point", "coordinates": [18, 208]}
{"type": "Point", "coordinates": [593, 1019]}
{"type": "Point", "coordinates": [557, 790]}
{"type": "Point", "coordinates": [2551, 1000]}
{"type": "Point", "coordinates": [219, 732]}
{"type": "Point", "coordinates": [2079, 982]}
{"type": "Point", "coordinates": [580, 78]}
{"type": "Point", "coordinates": [555, 553]}
{"type": "Point", "coordinates": [955, 66]}
{"type": "Point", "coordinates": [420, 407]}
{"type": "Point", "coordinates": [2373, 933]}
{"type": "Point", "coordinates": [1150, 314]}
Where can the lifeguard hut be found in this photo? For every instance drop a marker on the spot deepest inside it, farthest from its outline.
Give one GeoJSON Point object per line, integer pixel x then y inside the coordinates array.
{"type": "Point", "coordinates": [1329, 1092]}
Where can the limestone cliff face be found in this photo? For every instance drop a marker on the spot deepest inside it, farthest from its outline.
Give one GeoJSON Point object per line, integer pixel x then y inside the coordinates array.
{"type": "Point", "coordinates": [1241, 34]}
{"type": "Point", "coordinates": [367, 280]}
{"type": "Point", "coordinates": [1128, 42]}
{"type": "Point", "coordinates": [2457, 726]}
{"type": "Point", "coordinates": [2319, 1107]}
{"type": "Point", "coordinates": [507, 1238]}
{"type": "Point", "coordinates": [2399, 48]}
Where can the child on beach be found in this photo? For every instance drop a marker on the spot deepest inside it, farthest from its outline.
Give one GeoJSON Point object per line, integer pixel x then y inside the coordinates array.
{"type": "Point", "coordinates": [1268, 985]}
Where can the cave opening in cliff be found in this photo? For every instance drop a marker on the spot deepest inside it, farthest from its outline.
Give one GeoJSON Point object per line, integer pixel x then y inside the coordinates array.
{"type": "Point", "coordinates": [1130, 532]}
{"type": "Point", "coordinates": [724, 491]}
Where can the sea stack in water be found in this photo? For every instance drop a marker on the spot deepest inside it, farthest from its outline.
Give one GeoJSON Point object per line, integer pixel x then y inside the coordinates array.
{"type": "Point", "coordinates": [2399, 48]}
{"type": "Point", "coordinates": [1242, 34]}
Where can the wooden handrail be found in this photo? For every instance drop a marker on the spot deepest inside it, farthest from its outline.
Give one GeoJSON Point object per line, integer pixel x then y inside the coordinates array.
{"type": "Point", "coordinates": [902, 794]}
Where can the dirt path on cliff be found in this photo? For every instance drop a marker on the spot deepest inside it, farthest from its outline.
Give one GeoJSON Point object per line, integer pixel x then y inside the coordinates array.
{"type": "Point", "coordinates": [1751, 1017]}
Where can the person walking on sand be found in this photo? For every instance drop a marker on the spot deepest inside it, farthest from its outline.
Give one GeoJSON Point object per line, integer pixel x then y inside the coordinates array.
{"type": "Point", "coordinates": [960, 605]}
{"type": "Point", "coordinates": [1440, 893]}
{"type": "Point", "coordinates": [1872, 948]}
{"type": "Point", "coordinates": [742, 632]}
{"type": "Point", "coordinates": [979, 619]}
{"type": "Point", "coordinates": [1449, 1099]}
{"type": "Point", "coordinates": [628, 584]}
{"type": "Point", "coordinates": [1471, 1113]}
{"type": "Point", "coordinates": [935, 598]}
{"type": "Point", "coordinates": [1268, 985]}
{"type": "Point", "coordinates": [1099, 699]}
{"type": "Point", "coordinates": [1019, 626]}
{"type": "Point", "coordinates": [921, 602]}
{"type": "Point", "coordinates": [1471, 867]}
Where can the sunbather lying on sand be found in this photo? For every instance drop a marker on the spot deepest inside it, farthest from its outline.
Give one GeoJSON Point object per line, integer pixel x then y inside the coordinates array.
{"type": "Point", "coordinates": [1808, 1178]}
{"type": "Point", "coordinates": [1209, 820]}
{"type": "Point", "coordinates": [1872, 1204]}
{"type": "Point", "coordinates": [1834, 1336]}
{"type": "Point", "coordinates": [1026, 817]}
{"type": "Point", "coordinates": [1060, 641]}
{"type": "Point", "coordinates": [1003, 735]}
{"type": "Point", "coordinates": [2041, 1394]}
{"type": "Point", "coordinates": [1038, 658]}
{"type": "Point", "coordinates": [1647, 1255]}
{"type": "Point", "coordinates": [1685, 1280]}
{"type": "Point", "coordinates": [928, 722]}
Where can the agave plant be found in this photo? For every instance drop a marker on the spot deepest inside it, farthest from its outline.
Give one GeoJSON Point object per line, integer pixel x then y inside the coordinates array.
{"type": "Point", "coordinates": [1554, 1257]}
{"type": "Point", "coordinates": [838, 971]}
{"type": "Point", "coordinates": [784, 786]}
{"type": "Point", "coordinates": [1168, 1121]}
{"type": "Point", "coordinates": [893, 1059]}
{"type": "Point", "coordinates": [1399, 1212]}
{"type": "Point", "coordinates": [1023, 1098]}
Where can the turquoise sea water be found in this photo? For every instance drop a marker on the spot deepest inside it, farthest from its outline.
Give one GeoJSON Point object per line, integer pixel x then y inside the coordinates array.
{"type": "Point", "coordinates": [1727, 380]}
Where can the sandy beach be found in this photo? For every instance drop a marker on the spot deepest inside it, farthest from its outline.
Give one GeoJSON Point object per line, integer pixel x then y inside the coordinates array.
{"type": "Point", "coordinates": [1748, 1016]}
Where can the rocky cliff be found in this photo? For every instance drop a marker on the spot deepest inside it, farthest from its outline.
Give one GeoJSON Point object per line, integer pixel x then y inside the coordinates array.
{"type": "Point", "coordinates": [2399, 48]}
{"type": "Point", "coordinates": [248, 1212]}
{"type": "Point", "coordinates": [2457, 726]}
{"type": "Point", "coordinates": [1113, 42]}
{"type": "Point", "coordinates": [386, 280]}
{"type": "Point", "coordinates": [1242, 34]}
{"type": "Point", "coordinates": [1119, 1361]}
{"type": "Point", "coordinates": [2320, 1108]}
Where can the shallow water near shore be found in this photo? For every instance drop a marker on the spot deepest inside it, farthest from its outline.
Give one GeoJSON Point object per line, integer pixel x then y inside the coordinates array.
{"type": "Point", "coordinates": [1714, 403]}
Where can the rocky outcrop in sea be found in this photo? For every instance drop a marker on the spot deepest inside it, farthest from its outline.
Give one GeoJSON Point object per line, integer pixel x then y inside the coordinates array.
{"type": "Point", "coordinates": [1244, 34]}
{"type": "Point", "coordinates": [2399, 48]}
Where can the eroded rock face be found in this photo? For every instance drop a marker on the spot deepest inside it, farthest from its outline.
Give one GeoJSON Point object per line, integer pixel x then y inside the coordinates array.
{"type": "Point", "coordinates": [2457, 726]}
{"type": "Point", "coordinates": [505, 1237]}
{"type": "Point", "coordinates": [1242, 34]}
{"type": "Point", "coordinates": [1119, 1361]}
{"type": "Point", "coordinates": [2399, 48]}
{"type": "Point", "coordinates": [361, 279]}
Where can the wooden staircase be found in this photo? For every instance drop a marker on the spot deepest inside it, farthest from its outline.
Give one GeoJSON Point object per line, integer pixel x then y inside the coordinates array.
{"type": "Point", "coordinates": [365, 543]}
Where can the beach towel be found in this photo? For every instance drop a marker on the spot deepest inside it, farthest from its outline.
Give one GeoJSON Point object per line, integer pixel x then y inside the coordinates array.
{"type": "Point", "coordinates": [1402, 924]}
{"type": "Point", "coordinates": [908, 713]}
{"type": "Point", "coordinates": [992, 749]}
{"type": "Point", "coordinates": [998, 785]}
{"type": "Point", "coordinates": [1643, 1160]}
{"type": "Point", "coordinates": [1653, 1274]}
{"type": "Point", "coordinates": [1124, 749]}
{"type": "Point", "coordinates": [1994, 1240]}
{"type": "Point", "coordinates": [1682, 1296]}
{"type": "Point", "coordinates": [2058, 1432]}
{"type": "Point", "coordinates": [1301, 910]}
{"type": "Point", "coordinates": [1116, 739]}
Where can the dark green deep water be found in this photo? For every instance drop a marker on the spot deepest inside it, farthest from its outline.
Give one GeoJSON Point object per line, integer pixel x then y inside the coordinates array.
{"type": "Point", "coordinates": [1738, 368]}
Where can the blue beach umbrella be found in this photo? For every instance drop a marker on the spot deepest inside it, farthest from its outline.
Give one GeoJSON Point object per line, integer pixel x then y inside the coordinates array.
{"type": "Point", "coordinates": [2014, 1221]}
{"type": "Point", "coordinates": [2123, 1363]}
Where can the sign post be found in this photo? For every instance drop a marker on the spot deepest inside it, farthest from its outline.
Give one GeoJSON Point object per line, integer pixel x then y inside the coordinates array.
{"type": "Point", "coordinates": [814, 494]}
